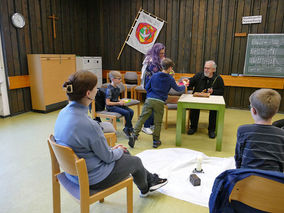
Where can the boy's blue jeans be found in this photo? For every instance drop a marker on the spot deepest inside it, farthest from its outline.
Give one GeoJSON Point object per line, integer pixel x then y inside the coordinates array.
{"type": "Point", "coordinates": [126, 112]}
{"type": "Point", "coordinates": [150, 121]}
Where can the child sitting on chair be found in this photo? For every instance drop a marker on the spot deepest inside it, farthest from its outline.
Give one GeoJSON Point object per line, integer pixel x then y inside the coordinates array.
{"type": "Point", "coordinates": [261, 145]}
{"type": "Point", "coordinates": [114, 104]}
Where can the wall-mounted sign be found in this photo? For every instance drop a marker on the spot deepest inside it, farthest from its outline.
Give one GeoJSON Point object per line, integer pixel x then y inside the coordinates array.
{"type": "Point", "coordinates": [251, 19]}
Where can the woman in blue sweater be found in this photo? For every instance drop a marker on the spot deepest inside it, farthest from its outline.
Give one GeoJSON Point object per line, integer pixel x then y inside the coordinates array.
{"type": "Point", "coordinates": [106, 165]}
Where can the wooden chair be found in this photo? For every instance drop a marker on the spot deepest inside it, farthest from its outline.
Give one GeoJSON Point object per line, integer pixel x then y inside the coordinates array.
{"type": "Point", "coordinates": [111, 138]}
{"type": "Point", "coordinates": [131, 80]}
{"type": "Point", "coordinates": [171, 104]}
{"type": "Point", "coordinates": [260, 193]}
{"type": "Point", "coordinates": [112, 116]}
{"type": "Point", "coordinates": [63, 157]}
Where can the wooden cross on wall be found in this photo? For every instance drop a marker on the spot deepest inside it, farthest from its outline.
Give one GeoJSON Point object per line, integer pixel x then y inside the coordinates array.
{"type": "Point", "coordinates": [54, 18]}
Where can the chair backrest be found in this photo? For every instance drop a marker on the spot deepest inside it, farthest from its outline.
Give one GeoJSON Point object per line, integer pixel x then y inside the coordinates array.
{"type": "Point", "coordinates": [131, 78]}
{"type": "Point", "coordinates": [260, 193]}
{"type": "Point", "coordinates": [65, 156]}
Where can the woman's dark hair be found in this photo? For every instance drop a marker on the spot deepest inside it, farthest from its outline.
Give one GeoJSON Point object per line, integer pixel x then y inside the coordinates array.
{"type": "Point", "coordinates": [79, 83]}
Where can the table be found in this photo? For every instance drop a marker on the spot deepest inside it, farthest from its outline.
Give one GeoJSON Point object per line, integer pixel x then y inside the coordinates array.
{"type": "Point", "coordinates": [212, 103]}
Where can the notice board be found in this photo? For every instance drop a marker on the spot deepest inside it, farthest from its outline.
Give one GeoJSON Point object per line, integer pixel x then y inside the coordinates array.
{"type": "Point", "coordinates": [265, 55]}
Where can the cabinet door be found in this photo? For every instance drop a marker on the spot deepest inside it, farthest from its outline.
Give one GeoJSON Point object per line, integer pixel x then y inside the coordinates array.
{"type": "Point", "coordinates": [55, 71]}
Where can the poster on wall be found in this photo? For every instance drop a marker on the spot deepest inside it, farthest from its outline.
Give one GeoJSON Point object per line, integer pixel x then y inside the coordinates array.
{"type": "Point", "coordinates": [145, 32]}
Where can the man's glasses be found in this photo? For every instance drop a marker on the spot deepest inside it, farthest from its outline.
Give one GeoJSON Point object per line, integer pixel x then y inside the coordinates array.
{"type": "Point", "coordinates": [118, 78]}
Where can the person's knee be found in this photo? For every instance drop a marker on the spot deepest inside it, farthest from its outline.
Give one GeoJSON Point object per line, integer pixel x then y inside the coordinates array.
{"type": "Point", "coordinates": [137, 161]}
{"type": "Point", "coordinates": [131, 112]}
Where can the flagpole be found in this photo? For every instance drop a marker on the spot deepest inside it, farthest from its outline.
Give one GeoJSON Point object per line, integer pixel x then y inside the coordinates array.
{"type": "Point", "coordinates": [129, 33]}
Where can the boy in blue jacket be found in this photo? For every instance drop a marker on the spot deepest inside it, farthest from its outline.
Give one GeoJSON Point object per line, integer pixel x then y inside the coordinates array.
{"type": "Point", "coordinates": [157, 93]}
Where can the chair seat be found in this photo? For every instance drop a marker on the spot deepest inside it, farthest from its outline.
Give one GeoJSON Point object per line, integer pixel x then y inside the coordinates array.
{"type": "Point", "coordinates": [107, 127]}
{"type": "Point", "coordinates": [130, 86]}
{"type": "Point", "coordinates": [71, 187]}
{"type": "Point", "coordinates": [172, 106]}
{"type": "Point", "coordinates": [105, 112]}
{"type": "Point", "coordinates": [140, 88]}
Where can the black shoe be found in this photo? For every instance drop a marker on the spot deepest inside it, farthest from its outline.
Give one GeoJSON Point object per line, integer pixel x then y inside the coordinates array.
{"type": "Point", "coordinates": [191, 131]}
{"type": "Point", "coordinates": [126, 132]}
{"type": "Point", "coordinates": [156, 144]}
{"type": "Point", "coordinates": [211, 134]}
{"type": "Point", "coordinates": [157, 183]}
{"type": "Point", "coordinates": [131, 141]}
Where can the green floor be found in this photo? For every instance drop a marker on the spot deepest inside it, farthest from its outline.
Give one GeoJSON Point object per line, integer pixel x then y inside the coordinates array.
{"type": "Point", "coordinates": [25, 172]}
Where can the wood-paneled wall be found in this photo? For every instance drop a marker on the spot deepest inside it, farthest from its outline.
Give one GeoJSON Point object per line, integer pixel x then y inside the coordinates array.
{"type": "Point", "coordinates": [196, 30]}
{"type": "Point", "coordinates": [75, 34]}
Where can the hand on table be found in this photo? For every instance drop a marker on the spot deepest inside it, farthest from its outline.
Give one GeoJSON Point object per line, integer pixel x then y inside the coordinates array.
{"type": "Point", "coordinates": [210, 90]}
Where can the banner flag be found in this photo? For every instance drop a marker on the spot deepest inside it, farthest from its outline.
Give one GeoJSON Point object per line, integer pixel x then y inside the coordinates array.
{"type": "Point", "coordinates": [145, 32]}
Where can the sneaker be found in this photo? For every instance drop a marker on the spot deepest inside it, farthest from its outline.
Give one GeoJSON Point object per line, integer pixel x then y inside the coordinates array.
{"type": "Point", "coordinates": [191, 131]}
{"type": "Point", "coordinates": [157, 183]}
{"type": "Point", "coordinates": [126, 132]}
{"type": "Point", "coordinates": [152, 127]}
{"type": "Point", "coordinates": [212, 134]}
{"type": "Point", "coordinates": [143, 195]}
{"type": "Point", "coordinates": [131, 141]}
{"type": "Point", "coordinates": [147, 131]}
{"type": "Point", "coordinates": [156, 144]}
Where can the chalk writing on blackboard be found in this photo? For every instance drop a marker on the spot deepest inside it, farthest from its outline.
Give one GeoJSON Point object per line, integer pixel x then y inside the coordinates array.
{"type": "Point", "coordinates": [265, 55]}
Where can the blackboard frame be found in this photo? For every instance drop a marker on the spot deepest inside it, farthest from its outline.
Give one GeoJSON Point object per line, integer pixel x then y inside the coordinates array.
{"type": "Point", "coordinates": [247, 57]}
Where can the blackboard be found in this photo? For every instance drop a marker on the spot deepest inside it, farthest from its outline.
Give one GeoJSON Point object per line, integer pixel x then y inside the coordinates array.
{"type": "Point", "coordinates": [265, 55]}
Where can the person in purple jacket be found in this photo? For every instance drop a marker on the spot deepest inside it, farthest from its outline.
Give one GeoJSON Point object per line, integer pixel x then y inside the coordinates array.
{"type": "Point", "coordinates": [106, 165]}
{"type": "Point", "coordinates": [157, 89]}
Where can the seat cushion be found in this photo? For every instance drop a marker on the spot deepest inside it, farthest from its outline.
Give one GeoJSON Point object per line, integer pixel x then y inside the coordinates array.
{"type": "Point", "coordinates": [107, 127]}
{"type": "Point", "coordinates": [72, 188]}
{"type": "Point", "coordinates": [172, 106]}
{"type": "Point", "coordinates": [129, 86]}
{"type": "Point", "coordinates": [105, 112]}
{"type": "Point", "coordinates": [140, 88]}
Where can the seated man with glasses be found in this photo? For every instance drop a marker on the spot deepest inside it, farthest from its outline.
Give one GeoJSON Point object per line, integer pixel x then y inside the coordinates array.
{"type": "Point", "coordinates": [261, 145]}
{"type": "Point", "coordinates": [114, 104]}
{"type": "Point", "coordinates": [207, 81]}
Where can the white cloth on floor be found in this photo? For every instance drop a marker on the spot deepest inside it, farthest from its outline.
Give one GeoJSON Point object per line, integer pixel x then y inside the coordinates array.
{"type": "Point", "coordinates": [177, 164]}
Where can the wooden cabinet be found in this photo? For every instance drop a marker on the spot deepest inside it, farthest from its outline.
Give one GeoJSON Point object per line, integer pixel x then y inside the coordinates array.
{"type": "Point", "coordinates": [47, 73]}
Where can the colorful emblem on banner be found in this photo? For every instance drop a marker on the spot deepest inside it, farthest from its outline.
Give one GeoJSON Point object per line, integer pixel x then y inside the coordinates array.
{"type": "Point", "coordinates": [145, 33]}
